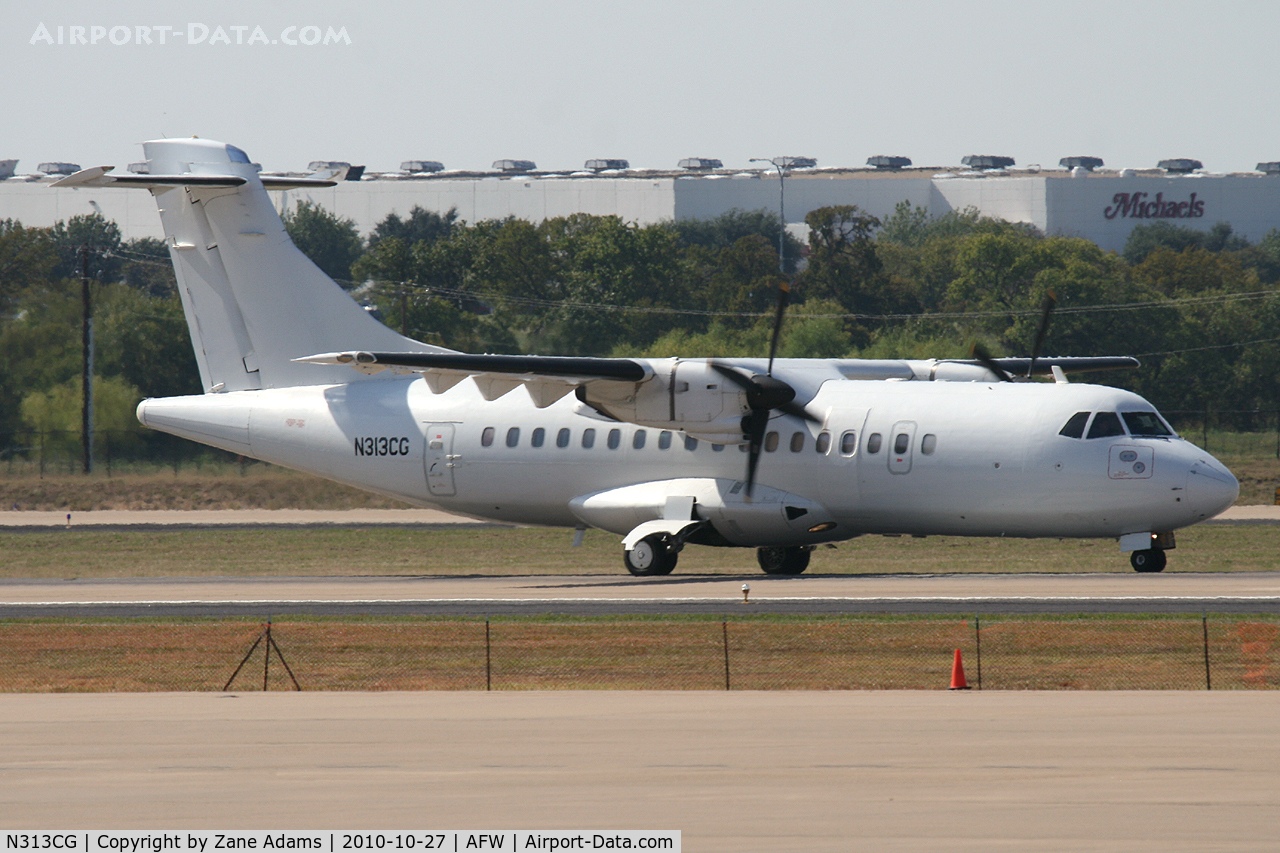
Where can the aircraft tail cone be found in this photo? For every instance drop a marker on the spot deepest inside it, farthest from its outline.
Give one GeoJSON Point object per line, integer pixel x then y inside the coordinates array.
{"type": "Point", "coordinates": [957, 674]}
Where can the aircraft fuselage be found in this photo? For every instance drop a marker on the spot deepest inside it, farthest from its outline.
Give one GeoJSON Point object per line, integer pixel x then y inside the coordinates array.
{"type": "Point", "coordinates": [957, 458]}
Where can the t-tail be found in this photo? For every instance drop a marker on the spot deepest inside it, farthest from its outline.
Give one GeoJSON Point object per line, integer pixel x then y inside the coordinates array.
{"type": "Point", "coordinates": [253, 301]}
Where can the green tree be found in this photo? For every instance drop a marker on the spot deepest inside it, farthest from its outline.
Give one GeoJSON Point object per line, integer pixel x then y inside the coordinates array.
{"type": "Point", "coordinates": [728, 228]}
{"type": "Point", "coordinates": [421, 226]}
{"type": "Point", "coordinates": [100, 236]}
{"type": "Point", "coordinates": [332, 243]}
{"type": "Point", "coordinates": [1162, 234]}
{"type": "Point", "coordinates": [57, 412]}
{"type": "Point", "coordinates": [27, 259]}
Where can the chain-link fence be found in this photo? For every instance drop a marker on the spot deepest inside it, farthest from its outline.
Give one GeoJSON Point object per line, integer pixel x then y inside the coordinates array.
{"type": "Point", "coordinates": [1244, 432]}
{"type": "Point", "coordinates": [59, 452]}
{"type": "Point", "coordinates": [677, 653]}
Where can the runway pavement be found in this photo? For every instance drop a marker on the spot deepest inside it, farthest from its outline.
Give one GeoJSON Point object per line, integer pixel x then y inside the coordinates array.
{"type": "Point", "coordinates": [1244, 592]}
{"type": "Point", "coordinates": [733, 771]}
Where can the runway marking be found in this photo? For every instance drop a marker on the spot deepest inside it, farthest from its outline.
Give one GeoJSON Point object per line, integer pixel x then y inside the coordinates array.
{"type": "Point", "coordinates": [768, 600]}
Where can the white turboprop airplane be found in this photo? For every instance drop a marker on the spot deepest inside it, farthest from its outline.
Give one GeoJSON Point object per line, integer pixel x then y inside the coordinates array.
{"type": "Point", "coordinates": [780, 455]}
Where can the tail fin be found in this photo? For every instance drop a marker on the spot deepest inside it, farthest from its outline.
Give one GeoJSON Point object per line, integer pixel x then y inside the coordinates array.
{"type": "Point", "coordinates": [253, 301]}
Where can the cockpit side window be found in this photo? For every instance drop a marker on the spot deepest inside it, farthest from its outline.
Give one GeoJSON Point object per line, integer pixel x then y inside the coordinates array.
{"type": "Point", "coordinates": [1075, 426]}
{"type": "Point", "coordinates": [1146, 423]}
{"type": "Point", "coordinates": [1105, 424]}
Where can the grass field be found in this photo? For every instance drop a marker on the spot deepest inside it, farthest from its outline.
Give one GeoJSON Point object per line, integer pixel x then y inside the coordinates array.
{"type": "Point", "coordinates": [655, 653]}
{"type": "Point", "coordinates": [375, 551]}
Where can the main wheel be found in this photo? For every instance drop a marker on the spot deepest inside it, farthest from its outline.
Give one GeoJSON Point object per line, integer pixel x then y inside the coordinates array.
{"type": "Point", "coordinates": [783, 561]}
{"type": "Point", "coordinates": [650, 556]}
{"type": "Point", "coordinates": [1149, 560]}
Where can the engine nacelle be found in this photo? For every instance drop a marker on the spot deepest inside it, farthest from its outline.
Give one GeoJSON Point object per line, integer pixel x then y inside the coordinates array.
{"type": "Point", "coordinates": [681, 395]}
{"type": "Point", "coordinates": [769, 517]}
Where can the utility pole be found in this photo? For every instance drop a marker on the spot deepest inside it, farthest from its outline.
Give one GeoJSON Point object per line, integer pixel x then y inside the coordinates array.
{"type": "Point", "coordinates": [86, 343]}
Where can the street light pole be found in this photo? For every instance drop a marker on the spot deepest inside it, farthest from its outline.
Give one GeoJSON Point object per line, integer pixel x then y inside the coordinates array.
{"type": "Point", "coordinates": [782, 210]}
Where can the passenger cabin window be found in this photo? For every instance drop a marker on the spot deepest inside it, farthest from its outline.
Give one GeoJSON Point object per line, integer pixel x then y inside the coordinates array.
{"type": "Point", "coordinates": [928, 444]}
{"type": "Point", "coordinates": [486, 437]}
{"type": "Point", "coordinates": [901, 442]}
{"type": "Point", "coordinates": [664, 440]}
{"type": "Point", "coordinates": [797, 442]}
{"type": "Point", "coordinates": [615, 438]}
{"type": "Point", "coordinates": [1105, 424]}
{"type": "Point", "coordinates": [513, 436]}
{"type": "Point", "coordinates": [717, 447]}
{"type": "Point", "coordinates": [823, 444]}
{"type": "Point", "coordinates": [538, 437]}
{"type": "Point", "coordinates": [1146, 423]}
{"type": "Point", "coordinates": [1074, 427]}
{"type": "Point", "coordinates": [690, 443]}
{"type": "Point", "coordinates": [771, 442]}
{"type": "Point", "coordinates": [562, 437]}
{"type": "Point", "coordinates": [849, 443]}
{"type": "Point", "coordinates": [873, 443]}
{"type": "Point", "coordinates": [588, 438]}
{"type": "Point", "coordinates": [637, 440]}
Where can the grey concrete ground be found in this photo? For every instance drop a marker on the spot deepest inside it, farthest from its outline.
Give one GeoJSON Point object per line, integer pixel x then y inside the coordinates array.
{"type": "Point", "coordinates": [778, 771]}
{"type": "Point", "coordinates": [622, 587]}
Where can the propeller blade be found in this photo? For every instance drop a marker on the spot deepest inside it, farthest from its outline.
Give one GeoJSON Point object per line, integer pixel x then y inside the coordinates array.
{"type": "Point", "coordinates": [754, 425]}
{"type": "Point", "coordinates": [763, 392]}
{"type": "Point", "coordinates": [784, 296]}
{"type": "Point", "coordinates": [798, 411]}
{"type": "Point", "coordinates": [984, 358]}
{"type": "Point", "coordinates": [1050, 300]}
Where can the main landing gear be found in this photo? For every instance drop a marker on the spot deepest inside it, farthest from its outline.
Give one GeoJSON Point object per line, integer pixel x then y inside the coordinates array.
{"type": "Point", "coordinates": [657, 553]}
{"type": "Point", "coordinates": [784, 561]}
{"type": "Point", "coordinates": [1148, 560]}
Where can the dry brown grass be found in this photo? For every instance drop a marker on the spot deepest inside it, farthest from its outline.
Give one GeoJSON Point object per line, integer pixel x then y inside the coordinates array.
{"type": "Point", "coordinates": [668, 653]}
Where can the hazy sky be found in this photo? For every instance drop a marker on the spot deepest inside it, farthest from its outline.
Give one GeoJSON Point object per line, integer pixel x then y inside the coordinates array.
{"type": "Point", "coordinates": [563, 81]}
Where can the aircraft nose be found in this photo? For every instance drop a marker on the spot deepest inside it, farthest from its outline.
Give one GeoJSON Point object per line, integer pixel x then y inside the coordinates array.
{"type": "Point", "coordinates": [1211, 488]}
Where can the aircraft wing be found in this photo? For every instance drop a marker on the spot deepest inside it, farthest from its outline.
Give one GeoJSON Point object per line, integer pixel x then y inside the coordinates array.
{"type": "Point", "coordinates": [1069, 364]}
{"type": "Point", "coordinates": [547, 378]}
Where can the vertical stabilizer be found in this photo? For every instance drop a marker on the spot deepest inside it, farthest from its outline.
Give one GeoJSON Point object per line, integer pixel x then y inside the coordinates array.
{"type": "Point", "coordinates": [253, 301]}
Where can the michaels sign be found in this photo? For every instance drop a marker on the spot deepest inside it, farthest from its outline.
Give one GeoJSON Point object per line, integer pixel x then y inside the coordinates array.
{"type": "Point", "coordinates": [1142, 206]}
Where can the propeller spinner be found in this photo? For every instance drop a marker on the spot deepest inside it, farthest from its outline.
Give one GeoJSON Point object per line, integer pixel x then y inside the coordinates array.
{"type": "Point", "coordinates": [764, 394]}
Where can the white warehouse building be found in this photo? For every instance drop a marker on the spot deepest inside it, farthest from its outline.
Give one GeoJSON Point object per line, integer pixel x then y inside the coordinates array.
{"type": "Point", "coordinates": [1102, 206]}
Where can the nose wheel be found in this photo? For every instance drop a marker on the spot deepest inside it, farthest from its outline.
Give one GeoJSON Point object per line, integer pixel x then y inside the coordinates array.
{"type": "Point", "coordinates": [1149, 560]}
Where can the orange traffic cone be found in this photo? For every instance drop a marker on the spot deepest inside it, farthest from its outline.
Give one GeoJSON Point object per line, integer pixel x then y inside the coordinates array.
{"type": "Point", "coordinates": [957, 674]}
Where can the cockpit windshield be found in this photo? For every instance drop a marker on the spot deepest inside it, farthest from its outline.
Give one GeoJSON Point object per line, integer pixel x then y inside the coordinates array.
{"type": "Point", "coordinates": [1146, 424]}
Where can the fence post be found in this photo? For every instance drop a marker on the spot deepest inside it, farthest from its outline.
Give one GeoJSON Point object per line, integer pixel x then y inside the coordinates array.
{"type": "Point", "coordinates": [977, 640]}
{"type": "Point", "coordinates": [724, 625]}
{"type": "Point", "coordinates": [1204, 622]}
{"type": "Point", "coordinates": [488, 657]}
